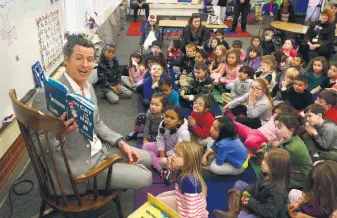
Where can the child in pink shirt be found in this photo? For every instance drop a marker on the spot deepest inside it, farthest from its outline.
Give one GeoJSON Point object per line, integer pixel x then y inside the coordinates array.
{"type": "Point", "coordinates": [288, 48]}
{"type": "Point", "coordinates": [230, 69]}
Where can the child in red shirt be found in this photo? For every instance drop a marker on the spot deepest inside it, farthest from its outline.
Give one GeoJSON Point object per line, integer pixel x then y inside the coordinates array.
{"type": "Point", "coordinates": [328, 100]}
{"type": "Point", "coordinates": [201, 120]}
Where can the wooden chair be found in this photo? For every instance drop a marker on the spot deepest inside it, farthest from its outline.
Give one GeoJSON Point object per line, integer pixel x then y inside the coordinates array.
{"type": "Point", "coordinates": [32, 125]}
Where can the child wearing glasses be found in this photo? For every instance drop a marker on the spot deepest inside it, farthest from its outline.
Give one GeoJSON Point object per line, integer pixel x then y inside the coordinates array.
{"type": "Point", "coordinates": [254, 108]}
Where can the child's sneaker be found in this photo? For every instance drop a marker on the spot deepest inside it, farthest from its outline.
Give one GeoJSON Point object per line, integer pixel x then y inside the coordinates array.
{"type": "Point", "coordinates": [166, 176]}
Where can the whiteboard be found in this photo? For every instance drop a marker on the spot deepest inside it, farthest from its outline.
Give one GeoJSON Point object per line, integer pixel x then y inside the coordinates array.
{"type": "Point", "coordinates": [19, 46]}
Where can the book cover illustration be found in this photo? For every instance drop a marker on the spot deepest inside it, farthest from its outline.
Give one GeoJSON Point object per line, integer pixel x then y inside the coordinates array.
{"type": "Point", "coordinates": [38, 73]}
{"type": "Point", "coordinates": [77, 106]}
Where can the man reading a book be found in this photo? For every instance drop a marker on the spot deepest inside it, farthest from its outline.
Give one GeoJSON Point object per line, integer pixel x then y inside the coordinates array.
{"type": "Point", "coordinates": [84, 154]}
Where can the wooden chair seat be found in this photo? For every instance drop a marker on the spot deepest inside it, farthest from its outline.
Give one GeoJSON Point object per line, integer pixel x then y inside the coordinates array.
{"type": "Point", "coordinates": [88, 200]}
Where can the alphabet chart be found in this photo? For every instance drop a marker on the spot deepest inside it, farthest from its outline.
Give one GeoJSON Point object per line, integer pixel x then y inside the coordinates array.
{"type": "Point", "coordinates": [50, 38]}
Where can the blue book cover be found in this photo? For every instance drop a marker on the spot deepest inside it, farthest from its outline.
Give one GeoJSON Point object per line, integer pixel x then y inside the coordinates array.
{"type": "Point", "coordinates": [56, 96]}
{"type": "Point", "coordinates": [77, 106]}
{"type": "Point", "coordinates": [38, 73]}
{"type": "Point", "coordinates": [82, 109]}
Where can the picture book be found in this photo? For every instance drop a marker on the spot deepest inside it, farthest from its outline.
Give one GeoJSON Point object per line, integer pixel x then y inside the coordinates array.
{"type": "Point", "coordinates": [38, 74]}
{"type": "Point", "coordinates": [59, 100]}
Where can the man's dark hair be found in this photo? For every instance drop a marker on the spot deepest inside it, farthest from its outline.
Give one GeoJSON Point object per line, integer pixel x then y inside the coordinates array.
{"type": "Point", "coordinates": [73, 40]}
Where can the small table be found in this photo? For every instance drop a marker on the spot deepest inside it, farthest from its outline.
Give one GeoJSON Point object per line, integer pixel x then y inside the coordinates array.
{"type": "Point", "coordinates": [290, 27]}
{"type": "Point", "coordinates": [182, 23]}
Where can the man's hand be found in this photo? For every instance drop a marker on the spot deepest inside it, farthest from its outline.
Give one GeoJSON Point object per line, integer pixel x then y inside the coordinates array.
{"type": "Point", "coordinates": [191, 121]}
{"type": "Point", "coordinates": [129, 152]}
{"type": "Point", "coordinates": [242, 1]}
{"type": "Point", "coordinates": [140, 5]}
{"type": "Point", "coordinates": [70, 125]}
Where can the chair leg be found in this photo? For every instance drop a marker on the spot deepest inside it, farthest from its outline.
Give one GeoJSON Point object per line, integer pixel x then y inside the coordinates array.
{"type": "Point", "coordinates": [42, 207]}
{"type": "Point", "coordinates": [119, 207]}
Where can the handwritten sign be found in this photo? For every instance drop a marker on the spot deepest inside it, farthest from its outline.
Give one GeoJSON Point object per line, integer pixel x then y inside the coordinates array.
{"type": "Point", "coordinates": [50, 38]}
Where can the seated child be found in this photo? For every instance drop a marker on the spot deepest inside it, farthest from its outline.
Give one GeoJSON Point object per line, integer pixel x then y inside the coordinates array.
{"type": "Point", "coordinates": [211, 46]}
{"type": "Point", "coordinates": [288, 48]}
{"type": "Point", "coordinates": [289, 78]}
{"type": "Point", "coordinates": [156, 50]}
{"type": "Point", "coordinates": [151, 84]}
{"type": "Point", "coordinates": [150, 120]}
{"type": "Point", "coordinates": [256, 139]}
{"type": "Point", "coordinates": [242, 84]}
{"type": "Point", "coordinates": [267, 72]}
{"type": "Point", "coordinates": [109, 76]}
{"type": "Point", "coordinates": [323, 134]}
{"type": "Point", "coordinates": [268, 196]}
{"type": "Point", "coordinates": [218, 60]}
{"type": "Point", "coordinates": [318, 199]}
{"type": "Point", "coordinates": [187, 62]}
{"type": "Point", "coordinates": [316, 72]}
{"type": "Point", "coordinates": [259, 105]}
{"type": "Point", "coordinates": [297, 63]}
{"type": "Point", "coordinates": [329, 81]}
{"type": "Point", "coordinates": [201, 56]}
{"type": "Point", "coordinates": [255, 42]}
{"type": "Point", "coordinates": [201, 84]}
{"type": "Point", "coordinates": [136, 70]}
{"type": "Point", "coordinates": [231, 155]}
{"type": "Point", "coordinates": [288, 127]}
{"type": "Point", "coordinates": [150, 33]}
{"type": "Point", "coordinates": [201, 120]}
{"type": "Point", "coordinates": [328, 100]}
{"type": "Point", "coordinates": [253, 58]}
{"type": "Point", "coordinates": [148, 61]}
{"type": "Point", "coordinates": [237, 45]}
{"type": "Point", "coordinates": [282, 62]}
{"type": "Point", "coordinates": [219, 34]}
{"type": "Point", "coordinates": [172, 130]}
{"type": "Point", "coordinates": [298, 96]}
{"type": "Point", "coordinates": [190, 187]}
{"type": "Point", "coordinates": [165, 87]}
{"type": "Point", "coordinates": [230, 69]}
{"type": "Point", "coordinates": [268, 44]}
{"type": "Point", "coordinates": [174, 53]}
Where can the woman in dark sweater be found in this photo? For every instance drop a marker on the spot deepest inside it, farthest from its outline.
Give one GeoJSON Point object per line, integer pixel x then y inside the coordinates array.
{"type": "Point", "coordinates": [195, 32]}
{"type": "Point", "coordinates": [286, 12]}
{"type": "Point", "coordinates": [319, 37]}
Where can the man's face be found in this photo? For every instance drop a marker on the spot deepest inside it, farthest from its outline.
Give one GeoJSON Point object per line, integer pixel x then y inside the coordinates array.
{"type": "Point", "coordinates": [79, 65]}
{"type": "Point", "coordinates": [156, 50]}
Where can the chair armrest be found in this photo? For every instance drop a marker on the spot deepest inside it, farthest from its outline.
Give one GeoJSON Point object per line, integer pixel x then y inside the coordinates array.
{"type": "Point", "coordinates": [98, 169]}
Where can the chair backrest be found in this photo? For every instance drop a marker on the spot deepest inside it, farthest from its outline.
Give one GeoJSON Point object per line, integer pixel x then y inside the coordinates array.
{"type": "Point", "coordinates": [34, 124]}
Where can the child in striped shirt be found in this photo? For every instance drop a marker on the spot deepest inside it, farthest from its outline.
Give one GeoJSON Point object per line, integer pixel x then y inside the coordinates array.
{"type": "Point", "coordinates": [189, 196]}
{"type": "Point", "coordinates": [254, 138]}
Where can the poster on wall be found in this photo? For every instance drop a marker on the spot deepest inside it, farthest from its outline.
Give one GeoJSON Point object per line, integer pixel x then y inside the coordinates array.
{"type": "Point", "coordinates": [50, 38]}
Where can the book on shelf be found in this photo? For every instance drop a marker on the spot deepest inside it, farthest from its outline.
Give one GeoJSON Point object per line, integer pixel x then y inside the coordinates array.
{"type": "Point", "coordinates": [59, 100]}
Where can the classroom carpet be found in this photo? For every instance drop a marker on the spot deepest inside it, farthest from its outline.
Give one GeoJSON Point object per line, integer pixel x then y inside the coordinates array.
{"type": "Point", "coordinates": [135, 28]}
{"type": "Point", "coordinates": [237, 33]}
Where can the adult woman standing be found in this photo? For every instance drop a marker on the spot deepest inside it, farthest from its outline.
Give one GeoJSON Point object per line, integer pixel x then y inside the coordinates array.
{"type": "Point", "coordinates": [286, 12]}
{"type": "Point", "coordinates": [195, 32]}
{"type": "Point", "coordinates": [319, 37]}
